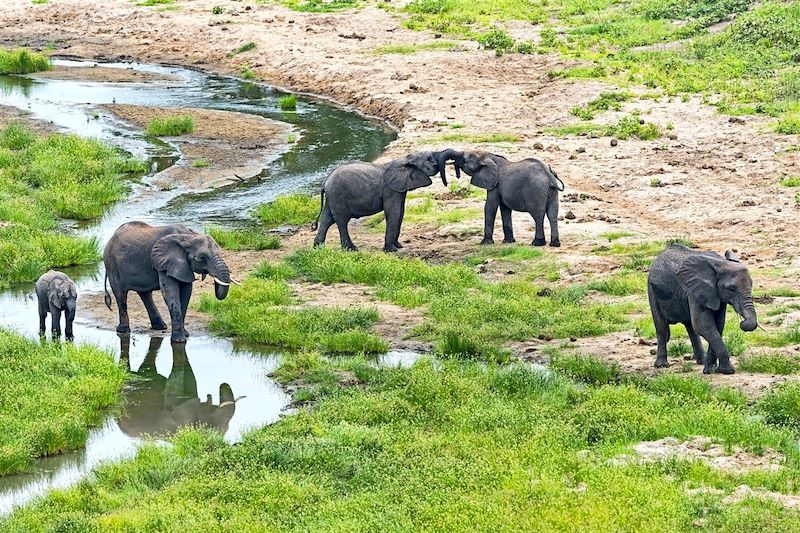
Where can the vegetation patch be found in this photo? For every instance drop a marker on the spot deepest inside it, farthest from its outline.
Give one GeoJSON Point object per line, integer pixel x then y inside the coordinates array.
{"type": "Point", "coordinates": [170, 126]}
{"type": "Point", "coordinates": [475, 138]}
{"type": "Point", "coordinates": [625, 128]}
{"type": "Point", "coordinates": [604, 102]}
{"type": "Point", "coordinates": [450, 446]}
{"type": "Point", "coordinates": [413, 48]}
{"type": "Point", "coordinates": [246, 47]}
{"type": "Point", "coordinates": [790, 181]}
{"type": "Point", "coordinates": [71, 385]}
{"type": "Point", "coordinates": [781, 405]}
{"type": "Point", "coordinates": [320, 6]}
{"type": "Point", "coordinates": [773, 363]}
{"type": "Point", "coordinates": [22, 61]}
{"type": "Point", "coordinates": [288, 102]}
{"type": "Point", "coordinates": [292, 209]}
{"type": "Point", "coordinates": [43, 179]}
{"type": "Point", "coordinates": [244, 239]}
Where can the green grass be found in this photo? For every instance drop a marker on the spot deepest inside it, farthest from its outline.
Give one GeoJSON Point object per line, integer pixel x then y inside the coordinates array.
{"type": "Point", "coordinates": [625, 128]}
{"type": "Point", "coordinates": [245, 239]}
{"type": "Point", "coordinates": [170, 126]}
{"type": "Point", "coordinates": [774, 363]}
{"type": "Point", "coordinates": [406, 49]}
{"type": "Point", "coordinates": [584, 368]}
{"type": "Point", "coordinates": [246, 47]}
{"type": "Point", "coordinates": [22, 61]}
{"type": "Point", "coordinates": [476, 138]}
{"type": "Point", "coordinates": [604, 102]}
{"type": "Point", "coordinates": [441, 447]}
{"type": "Point", "coordinates": [288, 102]}
{"type": "Point", "coordinates": [44, 179]}
{"type": "Point", "coordinates": [200, 163]}
{"type": "Point", "coordinates": [320, 6]}
{"type": "Point", "coordinates": [150, 3]}
{"type": "Point", "coordinates": [781, 405]}
{"type": "Point", "coordinates": [51, 394]}
{"type": "Point", "coordinates": [262, 311]}
{"type": "Point", "coordinates": [424, 209]}
{"type": "Point", "coordinates": [790, 181]}
{"type": "Point", "coordinates": [292, 209]}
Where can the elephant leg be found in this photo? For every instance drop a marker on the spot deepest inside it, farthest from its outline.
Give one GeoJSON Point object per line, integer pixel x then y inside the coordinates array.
{"type": "Point", "coordinates": [122, 305]}
{"type": "Point", "coordinates": [55, 325]}
{"type": "Point", "coordinates": [344, 235]}
{"type": "Point", "coordinates": [697, 344]}
{"type": "Point", "coordinates": [662, 331]}
{"type": "Point", "coordinates": [68, 318]}
{"type": "Point", "coordinates": [42, 318]}
{"type": "Point", "coordinates": [722, 358]}
{"type": "Point", "coordinates": [552, 217]}
{"type": "Point", "coordinates": [171, 290]}
{"type": "Point", "coordinates": [489, 215]}
{"type": "Point", "coordinates": [704, 323]}
{"type": "Point", "coordinates": [393, 213]}
{"type": "Point", "coordinates": [400, 223]}
{"type": "Point", "coordinates": [156, 322]}
{"type": "Point", "coordinates": [326, 221]}
{"type": "Point", "coordinates": [186, 294]}
{"type": "Point", "coordinates": [538, 219]}
{"type": "Point", "coordinates": [508, 230]}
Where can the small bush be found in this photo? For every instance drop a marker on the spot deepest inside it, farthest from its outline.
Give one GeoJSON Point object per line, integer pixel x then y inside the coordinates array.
{"type": "Point", "coordinates": [496, 39]}
{"type": "Point", "coordinates": [21, 61]}
{"type": "Point", "coordinates": [288, 102]}
{"type": "Point", "coordinates": [217, 10]}
{"type": "Point", "coordinates": [789, 124]}
{"type": "Point", "coordinates": [170, 126]}
{"type": "Point", "coordinates": [790, 181]}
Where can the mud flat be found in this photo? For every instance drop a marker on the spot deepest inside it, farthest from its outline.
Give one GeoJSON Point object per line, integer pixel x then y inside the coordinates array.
{"type": "Point", "coordinates": [97, 73]}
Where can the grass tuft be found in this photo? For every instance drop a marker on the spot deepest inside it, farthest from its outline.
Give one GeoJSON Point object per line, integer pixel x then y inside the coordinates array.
{"type": "Point", "coordinates": [292, 209]}
{"type": "Point", "coordinates": [22, 61]}
{"type": "Point", "coordinates": [246, 239]}
{"type": "Point", "coordinates": [170, 126]}
{"type": "Point", "coordinates": [288, 102]}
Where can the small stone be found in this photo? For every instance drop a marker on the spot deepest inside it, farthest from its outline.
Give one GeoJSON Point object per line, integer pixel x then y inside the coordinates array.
{"type": "Point", "coordinates": [573, 339]}
{"type": "Point", "coordinates": [538, 146]}
{"type": "Point", "coordinates": [570, 215]}
{"type": "Point", "coordinates": [653, 351]}
{"type": "Point", "coordinates": [573, 157]}
{"type": "Point", "coordinates": [736, 120]}
{"type": "Point", "coordinates": [614, 141]}
{"type": "Point", "coordinates": [641, 121]}
{"type": "Point", "coordinates": [673, 137]}
{"type": "Point", "coordinates": [581, 150]}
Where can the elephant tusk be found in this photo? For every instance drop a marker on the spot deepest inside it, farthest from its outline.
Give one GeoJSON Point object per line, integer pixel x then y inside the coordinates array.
{"type": "Point", "coordinates": [219, 282]}
{"type": "Point", "coordinates": [235, 282]}
{"type": "Point", "coordinates": [762, 328]}
{"type": "Point", "coordinates": [203, 277]}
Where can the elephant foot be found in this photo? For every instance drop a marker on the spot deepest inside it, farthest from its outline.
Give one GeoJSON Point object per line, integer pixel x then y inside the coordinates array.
{"type": "Point", "coordinates": [69, 337]}
{"type": "Point", "coordinates": [487, 240]}
{"type": "Point", "coordinates": [727, 369]}
{"type": "Point", "coordinates": [56, 334]}
{"type": "Point", "coordinates": [397, 244]}
{"type": "Point", "coordinates": [661, 362]}
{"type": "Point", "coordinates": [709, 369]}
{"type": "Point", "coordinates": [539, 242]}
{"type": "Point", "coordinates": [350, 247]}
{"type": "Point", "coordinates": [160, 326]}
{"type": "Point", "coordinates": [555, 244]}
{"type": "Point", "coordinates": [123, 328]}
{"type": "Point", "coordinates": [699, 360]}
{"type": "Point", "coordinates": [509, 240]}
{"type": "Point", "coordinates": [390, 249]}
{"type": "Point", "coordinates": [178, 339]}
{"type": "Point", "coordinates": [185, 333]}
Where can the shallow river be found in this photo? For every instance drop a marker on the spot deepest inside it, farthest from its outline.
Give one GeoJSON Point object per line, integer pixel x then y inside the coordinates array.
{"type": "Point", "coordinates": [176, 385]}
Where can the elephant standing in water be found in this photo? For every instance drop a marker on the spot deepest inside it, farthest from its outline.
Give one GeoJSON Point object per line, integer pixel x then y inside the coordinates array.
{"type": "Point", "coordinates": [356, 189]}
{"type": "Point", "coordinates": [159, 406]}
{"type": "Point", "coordinates": [56, 292]}
{"type": "Point", "coordinates": [693, 288]}
{"type": "Point", "coordinates": [528, 185]}
{"type": "Point", "coordinates": [144, 258]}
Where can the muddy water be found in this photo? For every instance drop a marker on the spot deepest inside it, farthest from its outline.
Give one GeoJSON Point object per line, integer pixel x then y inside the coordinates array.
{"type": "Point", "coordinates": [209, 380]}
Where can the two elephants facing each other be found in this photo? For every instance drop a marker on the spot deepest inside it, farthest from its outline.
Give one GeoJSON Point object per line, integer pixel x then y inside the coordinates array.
{"type": "Point", "coordinates": [144, 258]}
{"type": "Point", "coordinates": [356, 189]}
{"type": "Point", "coordinates": [694, 288]}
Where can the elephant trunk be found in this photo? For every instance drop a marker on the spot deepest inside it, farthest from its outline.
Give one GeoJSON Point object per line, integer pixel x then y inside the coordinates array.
{"type": "Point", "coordinates": [748, 311]}
{"type": "Point", "coordinates": [222, 279]}
{"type": "Point", "coordinates": [441, 160]}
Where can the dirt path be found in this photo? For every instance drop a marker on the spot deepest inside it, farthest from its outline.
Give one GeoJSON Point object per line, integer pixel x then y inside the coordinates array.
{"type": "Point", "coordinates": [720, 178]}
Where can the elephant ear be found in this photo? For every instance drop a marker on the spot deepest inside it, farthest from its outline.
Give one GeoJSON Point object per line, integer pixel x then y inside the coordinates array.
{"type": "Point", "coordinates": [54, 293]}
{"type": "Point", "coordinates": [730, 256]}
{"type": "Point", "coordinates": [697, 276]}
{"type": "Point", "coordinates": [169, 255]}
{"type": "Point", "coordinates": [488, 175]}
{"type": "Point", "coordinates": [402, 175]}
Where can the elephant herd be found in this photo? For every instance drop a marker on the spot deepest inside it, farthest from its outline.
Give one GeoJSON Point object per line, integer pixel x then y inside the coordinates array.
{"type": "Point", "coordinates": [684, 286]}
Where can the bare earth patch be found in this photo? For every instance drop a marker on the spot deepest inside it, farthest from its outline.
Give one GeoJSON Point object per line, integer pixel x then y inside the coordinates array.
{"type": "Point", "coordinates": [703, 449]}
{"type": "Point", "coordinates": [104, 74]}
{"type": "Point", "coordinates": [230, 143]}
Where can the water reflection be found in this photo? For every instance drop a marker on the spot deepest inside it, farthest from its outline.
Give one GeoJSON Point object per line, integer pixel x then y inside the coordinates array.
{"type": "Point", "coordinates": [158, 406]}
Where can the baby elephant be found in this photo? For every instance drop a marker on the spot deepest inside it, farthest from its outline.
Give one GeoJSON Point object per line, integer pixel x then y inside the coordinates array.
{"type": "Point", "coordinates": [56, 293]}
{"type": "Point", "coordinates": [693, 288]}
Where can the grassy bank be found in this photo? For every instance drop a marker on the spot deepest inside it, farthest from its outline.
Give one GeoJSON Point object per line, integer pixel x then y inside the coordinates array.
{"type": "Point", "coordinates": [50, 395]}
{"type": "Point", "coordinates": [44, 179]}
{"type": "Point", "coordinates": [21, 61]}
{"type": "Point", "coordinates": [446, 447]}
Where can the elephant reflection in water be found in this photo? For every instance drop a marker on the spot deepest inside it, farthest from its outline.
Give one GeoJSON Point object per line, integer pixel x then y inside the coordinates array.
{"type": "Point", "coordinates": [159, 406]}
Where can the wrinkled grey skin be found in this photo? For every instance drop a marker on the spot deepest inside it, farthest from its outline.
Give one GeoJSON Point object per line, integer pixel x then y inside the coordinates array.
{"type": "Point", "coordinates": [356, 189]}
{"type": "Point", "coordinates": [528, 185]}
{"type": "Point", "coordinates": [159, 406]}
{"type": "Point", "coordinates": [694, 288]}
{"type": "Point", "coordinates": [144, 258]}
{"type": "Point", "coordinates": [56, 293]}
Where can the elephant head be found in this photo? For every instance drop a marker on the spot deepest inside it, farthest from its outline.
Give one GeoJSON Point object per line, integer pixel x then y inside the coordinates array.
{"type": "Point", "coordinates": [181, 255]}
{"type": "Point", "coordinates": [713, 280]}
{"type": "Point", "coordinates": [415, 170]}
{"type": "Point", "coordinates": [63, 295]}
{"type": "Point", "coordinates": [481, 166]}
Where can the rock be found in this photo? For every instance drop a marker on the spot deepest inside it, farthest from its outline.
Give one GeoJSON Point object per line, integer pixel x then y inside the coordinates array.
{"type": "Point", "coordinates": [581, 150]}
{"type": "Point", "coordinates": [572, 157]}
{"type": "Point", "coordinates": [748, 203]}
{"type": "Point", "coordinates": [641, 121]}
{"type": "Point", "coordinates": [673, 137]}
{"type": "Point", "coordinates": [736, 120]}
{"type": "Point", "coordinates": [614, 141]}
{"type": "Point", "coordinates": [570, 215]}
{"type": "Point", "coordinates": [538, 146]}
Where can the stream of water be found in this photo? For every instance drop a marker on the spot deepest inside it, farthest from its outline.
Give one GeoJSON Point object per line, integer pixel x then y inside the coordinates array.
{"type": "Point", "coordinates": [217, 382]}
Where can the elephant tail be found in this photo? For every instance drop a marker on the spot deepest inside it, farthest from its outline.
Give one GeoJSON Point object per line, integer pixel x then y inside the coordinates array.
{"type": "Point", "coordinates": [555, 181]}
{"type": "Point", "coordinates": [107, 296]}
{"type": "Point", "coordinates": [315, 224]}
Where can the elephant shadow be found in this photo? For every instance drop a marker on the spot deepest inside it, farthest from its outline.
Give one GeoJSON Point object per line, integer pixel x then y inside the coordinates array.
{"type": "Point", "coordinates": [158, 406]}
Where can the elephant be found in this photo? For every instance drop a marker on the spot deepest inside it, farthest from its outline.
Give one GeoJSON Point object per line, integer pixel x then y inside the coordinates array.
{"type": "Point", "coordinates": [694, 288]}
{"type": "Point", "coordinates": [157, 406]}
{"type": "Point", "coordinates": [144, 258]}
{"type": "Point", "coordinates": [528, 185]}
{"type": "Point", "coordinates": [356, 189]}
{"type": "Point", "coordinates": [56, 292]}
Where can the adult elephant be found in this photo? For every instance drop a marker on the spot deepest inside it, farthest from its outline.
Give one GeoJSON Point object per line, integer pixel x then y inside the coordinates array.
{"type": "Point", "coordinates": [158, 406]}
{"type": "Point", "coordinates": [694, 288]}
{"type": "Point", "coordinates": [144, 258]}
{"type": "Point", "coordinates": [528, 185]}
{"type": "Point", "coordinates": [356, 189]}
